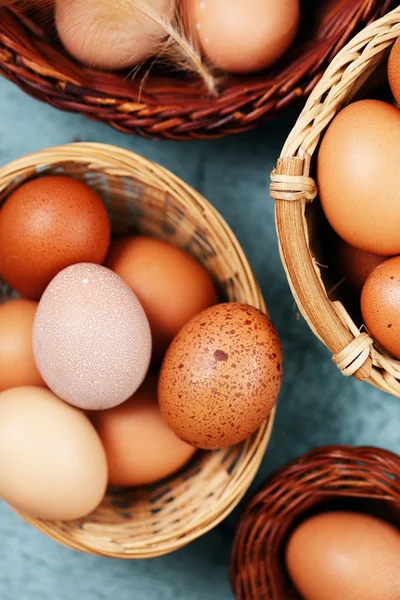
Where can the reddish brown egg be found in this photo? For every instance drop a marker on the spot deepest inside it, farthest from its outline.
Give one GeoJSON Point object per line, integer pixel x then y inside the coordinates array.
{"type": "Point", "coordinates": [354, 264]}
{"type": "Point", "coordinates": [171, 286]}
{"type": "Point", "coordinates": [394, 70]}
{"type": "Point", "coordinates": [221, 376]}
{"type": "Point", "coordinates": [380, 305]}
{"type": "Point", "coordinates": [46, 225]}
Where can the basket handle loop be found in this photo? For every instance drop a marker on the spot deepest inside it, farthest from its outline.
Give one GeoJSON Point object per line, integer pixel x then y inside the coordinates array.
{"type": "Point", "coordinates": [351, 358]}
{"type": "Point", "coordinates": [289, 183]}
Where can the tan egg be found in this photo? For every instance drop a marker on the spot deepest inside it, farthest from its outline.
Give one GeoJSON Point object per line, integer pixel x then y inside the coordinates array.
{"type": "Point", "coordinates": [140, 447]}
{"type": "Point", "coordinates": [359, 176]}
{"type": "Point", "coordinates": [354, 264]}
{"type": "Point", "coordinates": [345, 556]}
{"type": "Point", "coordinates": [171, 285]}
{"type": "Point", "coordinates": [221, 376]}
{"type": "Point", "coordinates": [244, 35]}
{"type": "Point", "coordinates": [111, 34]}
{"type": "Point", "coordinates": [394, 70]}
{"type": "Point", "coordinates": [91, 338]}
{"type": "Point", "coordinates": [380, 305]}
{"type": "Point", "coordinates": [17, 364]}
{"type": "Point", "coordinates": [52, 463]}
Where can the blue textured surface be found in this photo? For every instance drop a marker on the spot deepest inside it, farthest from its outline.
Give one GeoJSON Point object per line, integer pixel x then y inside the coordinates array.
{"type": "Point", "coordinates": [317, 405]}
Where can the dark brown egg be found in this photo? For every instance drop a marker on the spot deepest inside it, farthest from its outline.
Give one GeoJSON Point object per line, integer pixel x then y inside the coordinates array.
{"type": "Point", "coordinates": [355, 265]}
{"type": "Point", "coordinates": [380, 305]}
{"type": "Point", "coordinates": [394, 70]}
{"type": "Point", "coordinates": [221, 376]}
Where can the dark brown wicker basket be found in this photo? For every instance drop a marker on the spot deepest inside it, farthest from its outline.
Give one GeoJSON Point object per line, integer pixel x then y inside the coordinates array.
{"type": "Point", "coordinates": [334, 477]}
{"type": "Point", "coordinates": [169, 106]}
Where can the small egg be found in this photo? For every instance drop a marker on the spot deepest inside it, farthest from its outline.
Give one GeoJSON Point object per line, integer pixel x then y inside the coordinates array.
{"type": "Point", "coordinates": [359, 178]}
{"type": "Point", "coordinates": [171, 285]}
{"type": "Point", "coordinates": [140, 447]}
{"type": "Point", "coordinates": [221, 376]}
{"type": "Point", "coordinates": [52, 463]}
{"type": "Point", "coordinates": [91, 338]}
{"type": "Point", "coordinates": [394, 70]}
{"type": "Point", "coordinates": [46, 225]}
{"type": "Point", "coordinates": [244, 35]}
{"type": "Point", "coordinates": [355, 264]}
{"type": "Point", "coordinates": [345, 556]}
{"type": "Point", "coordinates": [111, 34]}
{"type": "Point", "coordinates": [17, 364]}
{"type": "Point", "coordinates": [380, 305]}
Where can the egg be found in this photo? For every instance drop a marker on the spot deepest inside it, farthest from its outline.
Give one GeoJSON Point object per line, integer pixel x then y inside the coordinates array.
{"type": "Point", "coordinates": [111, 35]}
{"type": "Point", "coordinates": [354, 264]}
{"type": "Point", "coordinates": [221, 376]}
{"type": "Point", "coordinates": [52, 463]}
{"type": "Point", "coordinates": [345, 556]}
{"type": "Point", "coordinates": [394, 70]}
{"type": "Point", "coordinates": [359, 178]}
{"type": "Point", "coordinates": [46, 225]}
{"type": "Point", "coordinates": [244, 35]}
{"type": "Point", "coordinates": [140, 447]}
{"type": "Point", "coordinates": [380, 305]}
{"type": "Point", "coordinates": [17, 364]}
{"type": "Point", "coordinates": [91, 338]}
{"type": "Point", "coordinates": [171, 285]}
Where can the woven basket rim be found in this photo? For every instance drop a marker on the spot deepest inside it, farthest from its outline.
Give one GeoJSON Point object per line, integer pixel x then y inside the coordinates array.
{"type": "Point", "coordinates": [171, 108]}
{"type": "Point", "coordinates": [305, 485]}
{"type": "Point", "coordinates": [354, 351]}
{"type": "Point", "coordinates": [118, 161]}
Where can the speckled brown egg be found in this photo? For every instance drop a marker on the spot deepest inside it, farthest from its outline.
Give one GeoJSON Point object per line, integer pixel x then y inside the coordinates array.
{"type": "Point", "coordinates": [221, 376]}
{"type": "Point", "coordinates": [380, 305]}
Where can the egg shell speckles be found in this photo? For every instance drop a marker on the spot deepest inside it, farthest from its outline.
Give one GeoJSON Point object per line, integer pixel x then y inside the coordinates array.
{"type": "Point", "coordinates": [380, 305]}
{"type": "Point", "coordinates": [221, 376]}
{"type": "Point", "coordinates": [91, 338]}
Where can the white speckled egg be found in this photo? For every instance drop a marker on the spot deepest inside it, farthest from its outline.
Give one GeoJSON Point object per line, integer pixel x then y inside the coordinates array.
{"type": "Point", "coordinates": [91, 338]}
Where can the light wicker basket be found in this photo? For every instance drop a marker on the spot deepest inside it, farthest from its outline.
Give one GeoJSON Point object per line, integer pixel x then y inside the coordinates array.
{"type": "Point", "coordinates": [329, 478]}
{"type": "Point", "coordinates": [169, 106]}
{"type": "Point", "coordinates": [298, 219]}
{"type": "Point", "coordinates": [145, 197]}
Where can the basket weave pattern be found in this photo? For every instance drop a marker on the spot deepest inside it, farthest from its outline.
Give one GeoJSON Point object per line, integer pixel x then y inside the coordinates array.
{"type": "Point", "coordinates": [143, 197]}
{"type": "Point", "coordinates": [171, 107]}
{"type": "Point", "coordinates": [354, 351]}
{"type": "Point", "coordinates": [331, 477]}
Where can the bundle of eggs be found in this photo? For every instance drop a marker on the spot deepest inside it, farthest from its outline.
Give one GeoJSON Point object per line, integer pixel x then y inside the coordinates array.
{"type": "Point", "coordinates": [113, 375]}
{"type": "Point", "coordinates": [199, 36]}
{"type": "Point", "coordinates": [358, 174]}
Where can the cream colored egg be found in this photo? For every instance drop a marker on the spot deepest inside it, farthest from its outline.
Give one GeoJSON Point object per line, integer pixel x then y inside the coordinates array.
{"type": "Point", "coordinates": [242, 36]}
{"type": "Point", "coordinates": [52, 463]}
{"type": "Point", "coordinates": [111, 34]}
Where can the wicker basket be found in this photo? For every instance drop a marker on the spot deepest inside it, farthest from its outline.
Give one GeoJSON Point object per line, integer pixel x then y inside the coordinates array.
{"type": "Point", "coordinates": [334, 477]}
{"type": "Point", "coordinates": [169, 106]}
{"type": "Point", "coordinates": [144, 197]}
{"type": "Point", "coordinates": [300, 222]}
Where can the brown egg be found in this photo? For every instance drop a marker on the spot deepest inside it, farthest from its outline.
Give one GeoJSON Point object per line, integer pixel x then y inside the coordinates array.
{"type": "Point", "coordinates": [140, 447]}
{"type": "Point", "coordinates": [52, 463]}
{"type": "Point", "coordinates": [91, 338]}
{"type": "Point", "coordinates": [111, 34]}
{"type": "Point", "coordinates": [394, 70]}
{"type": "Point", "coordinates": [380, 305]}
{"type": "Point", "coordinates": [221, 376]}
{"type": "Point", "coordinates": [46, 225]}
{"type": "Point", "coordinates": [17, 365]}
{"type": "Point", "coordinates": [345, 556]}
{"type": "Point", "coordinates": [359, 176]}
{"type": "Point", "coordinates": [355, 264]}
{"type": "Point", "coordinates": [244, 35]}
{"type": "Point", "coordinates": [171, 285]}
